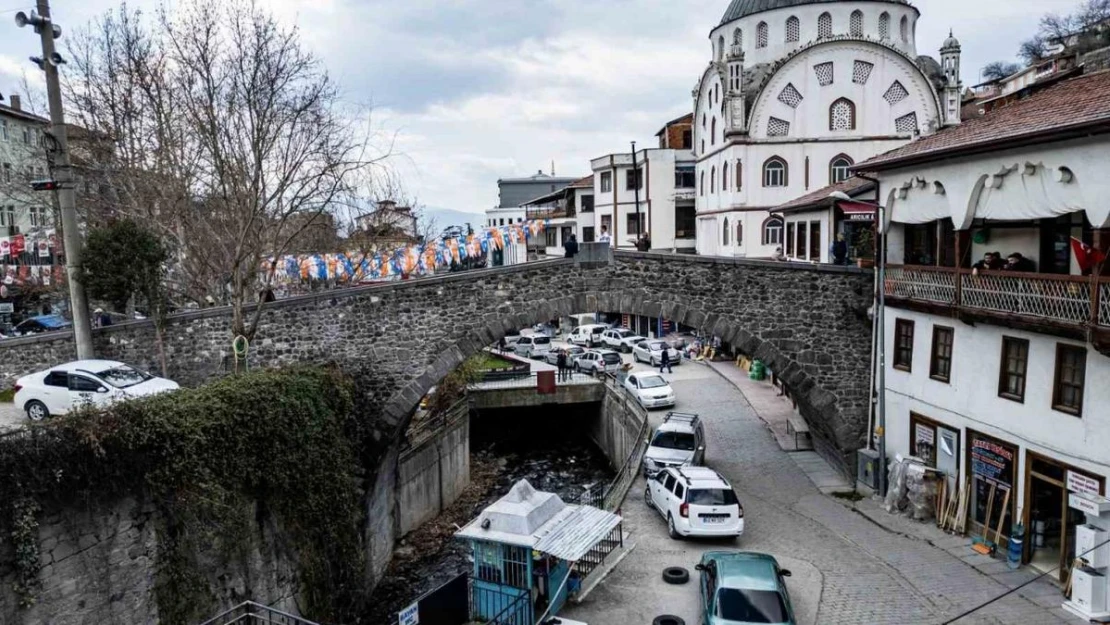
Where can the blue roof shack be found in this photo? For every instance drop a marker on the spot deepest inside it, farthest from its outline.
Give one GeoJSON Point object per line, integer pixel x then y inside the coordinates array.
{"type": "Point", "coordinates": [525, 547]}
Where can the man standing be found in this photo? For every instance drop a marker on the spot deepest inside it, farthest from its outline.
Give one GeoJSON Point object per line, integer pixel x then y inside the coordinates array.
{"type": "Point", "coordinates": [561, 361]}
{"type": "Point", "coordinates": [665, 359]}
{"type": "Point", "coordinates": [571, 246]}
{"type": "Point", "coordinates": [604, 238]}
{"type": "Point", "coordinates": [840, 250]}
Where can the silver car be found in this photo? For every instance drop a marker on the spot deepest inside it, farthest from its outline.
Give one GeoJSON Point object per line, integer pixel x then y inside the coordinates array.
{"type": "Point", "coordinates": [651, 352]}
{"type": "Point", "coordinates": [679, 440]}
{"type": "Point", "coordinates": [573, 353]}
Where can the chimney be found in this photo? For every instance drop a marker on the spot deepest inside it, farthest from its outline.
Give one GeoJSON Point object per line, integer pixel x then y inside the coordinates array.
{"type": "Point", "coordinates": [14, 103]}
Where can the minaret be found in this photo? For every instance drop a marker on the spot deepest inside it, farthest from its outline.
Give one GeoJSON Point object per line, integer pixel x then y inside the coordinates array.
{"type": "Point", "coordinates": [953, 91]}
{"type": "Point", "coordinates": [737, 121]}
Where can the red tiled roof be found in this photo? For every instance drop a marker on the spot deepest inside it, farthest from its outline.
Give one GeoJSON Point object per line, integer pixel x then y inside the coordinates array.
{"type": "Point", "coordinates": [1042, 117]}
{"type": "Point", "coordinates": [853, 186]}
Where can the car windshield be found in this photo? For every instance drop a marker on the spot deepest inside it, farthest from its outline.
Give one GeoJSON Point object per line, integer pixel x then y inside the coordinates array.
{"type": "Point", "coordinates": [712, 497]}
{"type": "Point", "coordinates": [611, 359]}
{"type": "Point", "coordinates": [652, 381]}
{"type": "Point", "coordinates": [623, 333]}
{"type": "Point", "coordinates": [541, 340]}
{"type": "Point", "coordinates": [751, 606]}
{"type": "Point", "coordinates": [658, 346]}
{"type": "Point", "coordinates": [123, 377]}
{"type": "Point", "coordinates": [674, 440]}
{"type": "Point", "coordinates": [575, 350]}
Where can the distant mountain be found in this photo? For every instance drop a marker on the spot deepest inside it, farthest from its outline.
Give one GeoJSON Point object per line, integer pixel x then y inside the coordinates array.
{"type": "Point", "coordinates": [444, 217]}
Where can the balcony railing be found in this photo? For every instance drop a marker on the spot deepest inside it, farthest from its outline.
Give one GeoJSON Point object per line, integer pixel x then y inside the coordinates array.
{"type": "Point", "coordinates": [1069, 300]}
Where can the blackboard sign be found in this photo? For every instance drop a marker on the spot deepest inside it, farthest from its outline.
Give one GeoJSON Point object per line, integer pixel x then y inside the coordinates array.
{"type": "Point", "coordinates": [992, 461]}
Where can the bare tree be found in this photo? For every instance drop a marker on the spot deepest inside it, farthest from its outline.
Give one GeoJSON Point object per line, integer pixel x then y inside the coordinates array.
{"type": "Point", "coordinates": [1033, 50]}
{"type": "Point", "coordinates": [1081, 30]}
{"type": "Point", "coordinates": [999, 70]}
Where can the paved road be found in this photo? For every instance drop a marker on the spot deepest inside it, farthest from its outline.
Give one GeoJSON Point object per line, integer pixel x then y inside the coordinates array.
{"type": "Point", "coordinates": [11, 417]}
{"type": "Point", "coordinates": [847, 569]}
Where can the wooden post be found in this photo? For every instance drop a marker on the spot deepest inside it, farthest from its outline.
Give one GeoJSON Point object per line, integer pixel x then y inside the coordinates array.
{"type": "Point", "coordinates": [963, 239]}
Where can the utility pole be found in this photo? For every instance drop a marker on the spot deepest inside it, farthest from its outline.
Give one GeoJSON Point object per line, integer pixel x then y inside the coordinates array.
{"type": "Point", "coordinates": [62, 173]}
{"type": "Point", "coordinates": [637, 178]}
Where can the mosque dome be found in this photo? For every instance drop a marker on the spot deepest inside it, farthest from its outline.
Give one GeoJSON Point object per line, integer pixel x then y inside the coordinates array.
{"type": "Point", "coordinates": [743, 8]}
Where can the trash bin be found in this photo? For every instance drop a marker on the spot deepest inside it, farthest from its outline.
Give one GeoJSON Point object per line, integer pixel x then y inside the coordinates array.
{"type": "Point", "coordinates": [545, 382]}
{"type": "Point", "coordinates": [758, 370]}
{"type": "Point", "coordinates": [1017, 540]}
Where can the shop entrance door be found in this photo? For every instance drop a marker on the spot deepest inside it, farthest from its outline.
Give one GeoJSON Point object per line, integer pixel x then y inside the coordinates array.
{"type": "Point", "coordinates": [1052, 522]}
{"type": "Point", "coordinates": [948, 459]}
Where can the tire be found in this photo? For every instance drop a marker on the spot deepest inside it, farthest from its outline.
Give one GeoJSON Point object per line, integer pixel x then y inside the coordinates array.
{"type": "Point", "coordinates": [36, 410]}
{"type": "Point", "coordinates": [667, 619]}
{"type": "Point", "coordinates": [647, 497]}
{"type": "Point", "coordinates": [671, 531]}
{"type": "Point", "coordinates": [676, 575]}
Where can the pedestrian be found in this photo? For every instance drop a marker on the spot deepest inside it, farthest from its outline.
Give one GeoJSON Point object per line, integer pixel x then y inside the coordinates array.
{"type": "Point", "coordinates": [103, 319]}
{"type": "Point", "coordinates": [839, 250]}
{"type": "Point", "coordinates": [571, 246]}
{"type": "Point", "coordinates": [605, 238]}
{"type": "Point", "coordinates": [778, 255]}
{"type": "Point", "coordinates": [1017, 262]}
{"type": "Point", "coordinates": [644, 243]}
{"type": "Point", "coordinates": [665, 360]}
{"type": "Point", "coordinates": [501, 345]}
{"type": "Point", "coordinates": [561, 361]}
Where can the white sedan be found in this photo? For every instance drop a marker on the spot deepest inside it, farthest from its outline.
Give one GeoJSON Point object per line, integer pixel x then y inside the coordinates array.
{"type": "Point", "coordinates": [650, 389]}
{"type": "Point", "coordinates": [63, 388]}
{"type": "Point", "coordinates": [651, 351]}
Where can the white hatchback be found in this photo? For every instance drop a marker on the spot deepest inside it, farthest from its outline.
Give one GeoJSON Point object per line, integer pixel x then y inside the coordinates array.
{"type": "Point", "coordinates": [695, 501]}
{"type": "Point", "coordinates": [62, 389]}
{"type": "Point", "coordinates": [650, 389]}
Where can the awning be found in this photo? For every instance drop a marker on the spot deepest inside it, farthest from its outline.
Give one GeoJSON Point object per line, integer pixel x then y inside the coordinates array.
{"type": "Point", "coordinates": [857, 211]}
{"type": "Point", "coordinates": [577, 533]}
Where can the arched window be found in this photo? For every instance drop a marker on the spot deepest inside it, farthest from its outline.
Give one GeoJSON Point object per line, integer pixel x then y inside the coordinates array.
{"type": "Point", "coordinates": [793, 29]}
{"type": "Point", "coordinates": [905, 28]}
{"type": "Point", "coordinates": [701, 187]}
{"type": "Point", "coordinates": [842, 115]}
{"type": "Point", "coordinates": [724, 177]}
{"type": "Point", "coordinates": [824, 26]}
{"type": "Point", "coordinates": [712, 179]}
{"type": "Point", "coordinates": [838, 169]}
{"type": "Point", "coordinates": [772, 231]}
{"type": "Point", "coordinates": [739, 233]}
{"type": "Point", "coordinates": [775, 172]}
{"type": "Point", "coordinates": [761, 35]}
{"type": "Point", "coordinates": [720, 47]}
{"type": "Point", "coordinates": [884, 25]}
{"type": "Point", "coordinates": [713, 132]}
{"type": "Point", "coordinates": [855, 23]}
{"type": "Point", "coordinates": [739, 175]}
{"type": "Point", "coordinates": [724, 232]}
{"type": "Point", "coordinates": [738, 37]}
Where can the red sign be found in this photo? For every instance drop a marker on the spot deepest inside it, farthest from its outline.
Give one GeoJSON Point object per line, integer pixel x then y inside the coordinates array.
{"type": "Point", "coordinates": [18, 245]}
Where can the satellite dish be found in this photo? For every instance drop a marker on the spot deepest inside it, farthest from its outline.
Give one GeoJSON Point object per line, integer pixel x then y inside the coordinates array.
{"type": "Point", "coordinates": [21, 19]}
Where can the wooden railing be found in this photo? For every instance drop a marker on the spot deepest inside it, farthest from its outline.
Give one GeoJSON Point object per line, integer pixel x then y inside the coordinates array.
{"type": "Point", "coordinates": [1078, 300]}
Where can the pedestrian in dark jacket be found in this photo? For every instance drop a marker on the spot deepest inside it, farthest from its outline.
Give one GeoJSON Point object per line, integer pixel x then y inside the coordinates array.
{"type": "Point", "coordinates": [665, 360]}
{"type": "Point", "coordinates": [561, 360]}
{"type": "Point", "coordinates": [839, 250]}
{"type": "Point", "coordinates": [571, 246]}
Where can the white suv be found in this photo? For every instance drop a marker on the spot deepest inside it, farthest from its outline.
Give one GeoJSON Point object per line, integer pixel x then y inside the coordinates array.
{"type": "Point", "coordinates": [534, 346]}
{"type": "Point", "coordinates": [598, 361]}
{"type": "Point", "coordinates": [621, 339]}
{"type": "Point", "coordinates": [695, 501]}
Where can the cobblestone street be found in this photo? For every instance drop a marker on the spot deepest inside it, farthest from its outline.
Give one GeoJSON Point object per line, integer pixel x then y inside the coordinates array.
{"type": "Point", "coordinates": [851, 563]}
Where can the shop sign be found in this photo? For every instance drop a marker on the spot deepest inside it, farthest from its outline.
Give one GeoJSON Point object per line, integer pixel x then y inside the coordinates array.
{"type": "Point", "coordinates": [991, 461]}
{"type": "Point", "coordinates": [1089, 504]}
{"type": "Point", "coordinates": [861, 217]}
{"type": "Point", "coordinates": [1079, 483]}
{"type": "Point", "coordinates": [410, 615]}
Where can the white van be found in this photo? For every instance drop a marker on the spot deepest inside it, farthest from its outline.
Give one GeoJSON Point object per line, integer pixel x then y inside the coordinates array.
{"type": "Point", "coordinates": [588, 335]}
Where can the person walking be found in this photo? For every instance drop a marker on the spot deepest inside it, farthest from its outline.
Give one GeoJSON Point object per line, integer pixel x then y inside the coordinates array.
{"type": "Point", "coordinates": [571, 247]}
{"type": "Point", "coordinates": [561, 361]}
{"type": "Point", "coordinates": [665, 360]}
{"type": "Point", "coordinates": [501, 344]}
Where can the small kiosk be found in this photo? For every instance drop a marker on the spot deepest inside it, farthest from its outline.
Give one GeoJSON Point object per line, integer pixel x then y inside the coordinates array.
{"type": "Point", "coordinates": [524, 547]}
{"type": "Point", "coordinates": [1090, 575]}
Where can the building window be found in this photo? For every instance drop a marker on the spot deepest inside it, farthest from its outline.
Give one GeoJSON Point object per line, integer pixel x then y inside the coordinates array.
{"type": "Point", "coordinates": [551, 237]}
{"type": "Point", "coordinates": [842, 115]}
{"type": "Point", "coordinates": [634, 179]}
{"type": "Point", "coordinates": [775, 172]}
{"type": "Point", "coordinates": [824, 26]}
{"type": "Point", "coordinates": [824, 73]}
{"type": "Point", "coordinates": [606, 181]}
{"type": "Point", "coordinates": [903, 344]}
{"type": "Point", "coordinates": [587, 234]}
{"type": "Point", "coordinates": [838, 169]}
{"type": "Point", "coordinates": [802, 246]}
{"type": "Point", "coordinates": [906, 124]}
{"type": "Point", "coordinates": [684, 179]}
{"type": "Point", "coordinates": [724, 233]}
{"type": "Point", "coordinates": [724, 177]}
{"type": "Point", "coordinates": [940, 367]}
{"type": "Point", "coordinates": [687, 140]}
{"type": "Point", "coordinates": [685, 222]}
{"type": "Point", "coordinates": [904, 27]}
{"type": "Point", "coordinates": [790, 239]}
{"type": "Point", "coordinates": [37, 215]}
{"type": "Point", "coordinates": [712, 179]}
{"type": "Point", "coordinates": [1071, 370]}
{"type": "Point", "coordinates": [861, 71]}
{"type": "Point", "coordinates": [503, 220]}
{"type": "Point", "coordinates": [739, 175]}
{"type": "Point", "coordinates": [26, 136]}
{"type": "Point", "coordinates": [587, 203]}
{"type": "Point", "coordinates": [738, 37]}
{"type": "Point", "coordinates": [1015, 362]}
{"type": "Point", "coordinates": [793, 29]}
{"type": "Point", "coordinates": [896, 93]}
{"type": "Point", "coordinates": [761, 36]}
{"type": "Point", "coordinates": [772, 231]}
{"type": "Point", "coordinates": [720, 47]}
{"type": "Point", "coordinates": [634, 222]}
{"type": "Point", "coordinates": [7, 172]}
{"type": "Point", "coordinates": [701, 188]}
{"type": "Point", "coordinates": [4, 130]}
{"type": "Point", "coordinates": [7, 216]}
{"type": "Point", "coordinates": [739, 233]}
{"type": "Point", "coordinates": [884, 25]}
{"type": "Point", "coordinates": [790, 96]}
{"type": "Point", "coordinates": [777, 127]}
{"type": "Point", "coordinates": [815, 240]}
{"type": "Point", "coordinates": [713, 132]}
{"type": "Point", "coordinates": [855, 23]}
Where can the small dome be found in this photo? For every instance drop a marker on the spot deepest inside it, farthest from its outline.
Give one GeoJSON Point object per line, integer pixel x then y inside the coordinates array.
{"type": "Point", "coordinates": [743, 8]}
{"type": "Point", "coordinates": [951, 43]}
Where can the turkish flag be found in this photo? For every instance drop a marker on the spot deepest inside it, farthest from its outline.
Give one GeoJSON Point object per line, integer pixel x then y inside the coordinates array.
{"type": "Point", "coordinates": [19, 243]}
{"type": "Point", "coordinates": [1085, 255]}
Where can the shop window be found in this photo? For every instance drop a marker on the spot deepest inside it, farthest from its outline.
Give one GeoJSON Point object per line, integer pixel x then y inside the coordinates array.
{"type": "Point", "coordinates": [815, 240]}
{"type": "Point", "coordinates": [802, 246]}
{"type": "Point", "coordinates": [993, 471]}
{"type": "Point", "coordinates": [903, 344]}
{"type": "Point", "coordinates": [940, 366]}
{"type": "Point", "coordinates": [1015, 364]}
{"type": "Point", "coordinates": [790, 239]}
{"type": "Point", "coordinates": [1071, 369]}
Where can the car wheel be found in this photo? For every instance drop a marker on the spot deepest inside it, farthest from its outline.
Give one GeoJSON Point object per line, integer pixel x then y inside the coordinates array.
{"type": "Point", "coordinates": [667, 619]}
{"type": "Point", "coordinates": [676, 575]}
{"type": "Point", "coordinates": [647, 497]}
{"type": "Point", "coordinates": [577, 368]}
{"type": "Point", "coordinates": [671, 531]}
{"type": "Point", "coordinates": [36, 410]}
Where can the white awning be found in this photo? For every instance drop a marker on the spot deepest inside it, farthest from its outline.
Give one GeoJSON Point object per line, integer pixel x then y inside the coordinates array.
{"type": "Point", "coordinates": [576, 533]}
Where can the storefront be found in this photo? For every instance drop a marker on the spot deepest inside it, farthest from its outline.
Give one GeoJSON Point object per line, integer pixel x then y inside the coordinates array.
{"type": "Point", "coordinates": [1050, 523]}
{"type": "Point", "coordinates": [993, 474]}
{"type": "Point", "coordinates": [938, 445]}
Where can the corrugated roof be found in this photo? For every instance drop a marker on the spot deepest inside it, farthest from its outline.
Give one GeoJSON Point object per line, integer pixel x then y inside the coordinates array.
{"type": "Point", "coordinates": [1072, 104]}
{"type": "Point", "coordinates": [743, 8]}
{"type": "Point", "coordinates": [574, 535]}
{"type": "Point", "coordinates": [853, 186]}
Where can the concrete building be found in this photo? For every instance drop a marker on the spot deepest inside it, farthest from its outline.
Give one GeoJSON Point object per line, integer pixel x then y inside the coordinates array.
{"type": "Point", "coordinates": [512, 253]}
{"type": "Point", "coordinates": [999, 377]}
{"type": "Point", "coordinates": [798, 224]}
{"type": "Point", "coordinates": [565, 212]}
{"type": "Point", "coordinates": [514, 192]}
{"type": "Point", "coordinates": [795, 92]}
{"type": "Point", "coordinates": [22, 159]}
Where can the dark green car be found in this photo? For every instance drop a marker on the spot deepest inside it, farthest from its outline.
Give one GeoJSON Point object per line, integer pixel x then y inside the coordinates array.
{"type": "Point", "coordinates": [741, 588]}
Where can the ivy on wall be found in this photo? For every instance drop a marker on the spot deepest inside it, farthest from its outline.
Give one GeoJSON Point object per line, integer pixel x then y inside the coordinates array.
{"type": "Point", "coordinates": [283, 442]}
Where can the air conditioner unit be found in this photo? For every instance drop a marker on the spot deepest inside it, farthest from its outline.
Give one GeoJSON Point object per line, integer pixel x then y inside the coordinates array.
{"type": "Point", "coordinates": [868, 466]}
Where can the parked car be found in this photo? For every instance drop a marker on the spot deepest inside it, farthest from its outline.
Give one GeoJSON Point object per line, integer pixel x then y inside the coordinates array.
{"type": "Point", "coordinates": [63, 388]}
{"type": "Point", "coordinates": [651, 352]}
{"type": "Point", "coordinates": [573, 353]}
{"type": "Point", "coordinates": [679, 440]}
{"type": "Point", "coordinates": [621, 339]}
{"type": "Point", "coordinates": [588, 335]}
{"type": "Point", "coordinates": [598, 360]}
{"type": "Point", "coordinates": [740, 588]}
{"type": "Point", "coordinates": [512, 339]}
{"type": "Point", "coordinates": [533, 346]}
{"type": "Point", "coordinates": [546, 329]}
{"type": "Point", "coordinates": [650, 389]}
{"type": "Point", "coordinates": [695, 501]}
{"type": "Point", "coordinates": [41, 323]}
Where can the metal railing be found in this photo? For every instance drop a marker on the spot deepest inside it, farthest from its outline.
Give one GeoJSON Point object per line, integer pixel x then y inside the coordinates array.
{"type": "Point", "coordinates": [529, 380]}
{"type": "Point", "coordinates": [251, 613]}
{"type": "Point", "coordinates": [1104, 304]}
{"type": "Point", "coordinates": [932, 284]}
{"type": "Point", "coordinates": [597, 554]}
{"type": "Point", "coordinates": [429, 425]}
{"type": "Point", "coordinates": [517, 612]}
{"type": "Point", "coordinates": [626, 475]}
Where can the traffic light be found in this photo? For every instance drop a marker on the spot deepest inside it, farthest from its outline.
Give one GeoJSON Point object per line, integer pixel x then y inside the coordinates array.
{"type": "Point", "coordinates": [44, 185]}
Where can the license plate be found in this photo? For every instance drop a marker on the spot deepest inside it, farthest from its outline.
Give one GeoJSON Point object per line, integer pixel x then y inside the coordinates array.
{"type": "Point", "coordinates": [714, 519]}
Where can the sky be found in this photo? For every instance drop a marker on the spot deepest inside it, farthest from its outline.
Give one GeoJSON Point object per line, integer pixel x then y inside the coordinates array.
{"type": "Point", "coordinates": [476, 90]}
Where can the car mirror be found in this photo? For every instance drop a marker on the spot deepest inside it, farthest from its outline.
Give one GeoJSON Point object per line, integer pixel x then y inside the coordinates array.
{"type": "Point", "coordinates": [785, 573]}
{"type": "Point", "coordinates": [699, 567]}
{"type": "Point", "coordinates": [101, 390]}
{"type": "Point", "coordinates": [647, 441]}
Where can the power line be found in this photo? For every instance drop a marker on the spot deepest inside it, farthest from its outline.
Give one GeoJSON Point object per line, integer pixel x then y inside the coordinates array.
{"type": "Point", "coordinates": [1020, 586]}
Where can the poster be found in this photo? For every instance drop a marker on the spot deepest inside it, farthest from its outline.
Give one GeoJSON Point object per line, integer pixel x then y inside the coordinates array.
{"type": "Point", "coordinates": [992, 462]}
{"type": "Point", "coordinates": [1079, 483]}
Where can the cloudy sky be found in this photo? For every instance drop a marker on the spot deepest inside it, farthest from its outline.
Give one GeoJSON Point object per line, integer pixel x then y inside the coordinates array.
{"type": "Point", "coordinates": [477, 90]}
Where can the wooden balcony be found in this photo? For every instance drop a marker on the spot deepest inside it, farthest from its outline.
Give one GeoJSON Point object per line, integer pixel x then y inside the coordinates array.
{"type": "Point", "coordinates": [1057, 304]}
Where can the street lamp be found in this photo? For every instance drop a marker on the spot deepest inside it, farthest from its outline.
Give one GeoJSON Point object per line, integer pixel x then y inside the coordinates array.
{"type": "Point", "coordinates": [880, 319]}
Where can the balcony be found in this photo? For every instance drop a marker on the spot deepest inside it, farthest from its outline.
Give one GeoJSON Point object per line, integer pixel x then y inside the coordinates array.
{"type": "Point", "coordinates": [1039, 302]}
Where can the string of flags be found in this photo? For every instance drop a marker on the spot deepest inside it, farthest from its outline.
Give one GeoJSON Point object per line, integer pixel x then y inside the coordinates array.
{"type": "Point", "coordinates": [406, 260]}
{"type": "Point", "coordinates": [25, 248]}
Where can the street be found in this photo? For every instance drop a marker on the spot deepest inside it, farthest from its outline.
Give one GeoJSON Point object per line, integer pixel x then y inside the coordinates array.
{"type": "Point", "coordinates": [846, 568]}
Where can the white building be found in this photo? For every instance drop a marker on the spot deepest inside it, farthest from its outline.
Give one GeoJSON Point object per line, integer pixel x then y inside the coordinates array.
{"type": "Point", "coordinates": [565, 212]}
{"type": "Point", "coordinates": [512, 253]}
{"type": "Point", "coordinates": [1000, 377]}
{"type": "Point", "coordinates": [796, 91]}
{"type": "Point", "coordinates": [22, 159]}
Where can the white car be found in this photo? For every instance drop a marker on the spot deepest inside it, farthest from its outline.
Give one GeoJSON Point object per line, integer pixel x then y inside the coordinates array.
{"type": "Point", "coordinates": [650, 389]}
{"type": "Point", "coordinates": [695, 501]}
{"type": "Point", "coordinates": [588, 335]}
{"type": "Point", "coordinates": [573, 353]}
{"type": "Point", "coordinates": [61, 389]}
{"type": "Point", "coordinates": [651, 352]}
{"type": "Point", "coordinates": [597, 360]}
{"type": "Point", "coordinates": [533, 346]}
{"type": "Point", "coordinates": [621, 339]}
